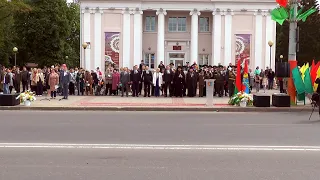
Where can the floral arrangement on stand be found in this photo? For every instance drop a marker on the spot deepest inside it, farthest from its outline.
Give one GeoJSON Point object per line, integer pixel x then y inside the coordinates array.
{"type": "Point", "coordinates": [241, 99]}
{"type": "Point", "coordinates": [26, 98]}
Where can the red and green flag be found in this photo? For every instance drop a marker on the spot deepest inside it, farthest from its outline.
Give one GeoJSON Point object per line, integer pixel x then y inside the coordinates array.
{"type": "Point", "coordinates": [238, 86]}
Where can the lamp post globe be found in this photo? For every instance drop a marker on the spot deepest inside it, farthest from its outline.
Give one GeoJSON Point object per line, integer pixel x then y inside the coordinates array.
{"type": "Point", "coordinates": [84, 45]}
{"type": "Point", "coordinates": [15, 49]}
{"type": "Point", "coordinates": [270, 43]}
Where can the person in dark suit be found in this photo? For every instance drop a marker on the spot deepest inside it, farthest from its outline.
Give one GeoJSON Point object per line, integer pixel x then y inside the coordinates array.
{"type": "Point", "coordinates": [168, 81]}
{"type": "Point", "coordinates": [65, 81]}
{"type": "Point", "coordinates": [17, 80]}
{"type": "Point", "coordinates": [147, 80]}
{"type": "Point", "coordinates": [124, 81]}
{"type": "Point", "coordinates": [25, 78]}
{"type": "Point", "coordinates": [135, 80]}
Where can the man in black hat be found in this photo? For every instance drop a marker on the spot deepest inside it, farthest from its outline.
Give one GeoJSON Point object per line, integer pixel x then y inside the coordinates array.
{"type": "Point", "coordinates": [191, 83]}
{"type": "Point", "coordinates": [179, 81]}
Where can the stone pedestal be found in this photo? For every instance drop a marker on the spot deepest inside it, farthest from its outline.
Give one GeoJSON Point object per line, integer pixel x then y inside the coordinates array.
{"type": "Point", "coordinates": [209, 91]}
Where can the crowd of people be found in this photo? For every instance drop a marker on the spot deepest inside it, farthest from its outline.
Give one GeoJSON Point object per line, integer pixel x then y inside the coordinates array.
{"type": "Point", "coordinates": [166, 80]}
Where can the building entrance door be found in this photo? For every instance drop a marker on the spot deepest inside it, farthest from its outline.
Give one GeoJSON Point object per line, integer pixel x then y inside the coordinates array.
{"type": "Point", "coordinates": [178, 59]}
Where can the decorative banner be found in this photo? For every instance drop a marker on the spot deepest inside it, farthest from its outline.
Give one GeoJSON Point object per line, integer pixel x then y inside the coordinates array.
{"type": "Point", "coordinates": [243, 48]}
{"type": "Point", "coordinates": [112, 49]}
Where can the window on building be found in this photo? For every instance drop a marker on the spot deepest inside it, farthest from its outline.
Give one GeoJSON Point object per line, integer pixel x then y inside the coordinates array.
{"type": "Point", "coordinates": [150, 23]}
{"type": "Point", "coordinates": [177, 24]}
{"type": "Point", "coordinates": [204, 24]}
{"type": "Point", "coordinates": [149, 60]}
{"type": "Point", "coordinates": [203, 59]}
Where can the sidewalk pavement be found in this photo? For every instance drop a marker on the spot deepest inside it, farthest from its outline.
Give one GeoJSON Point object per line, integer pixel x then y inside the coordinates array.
{"type": "Point", "coordinates": [117, 103]}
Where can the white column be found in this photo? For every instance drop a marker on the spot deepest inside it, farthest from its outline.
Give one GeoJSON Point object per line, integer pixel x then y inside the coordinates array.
{"type": "Point", "coordinates": [228, 38]}
{"type": "Point", "coordinates": [126, 41]}
{"type": "Point", "coordinates": [97, 38]}
{"type": "Point", "coordinates": [137, 37]}
{"type": "Point", "coordinates": [87, 38]}
{"type": "Point", "coordinates": [258, 40]}
{"type": "Point", "coordinates": [160, 39]}
{"type": "Point", "coordinates": [269, 37]}
{"type": "Point", "coordinates": [216, 39]}
{"type": "Point", "coordinates": [194, 35]}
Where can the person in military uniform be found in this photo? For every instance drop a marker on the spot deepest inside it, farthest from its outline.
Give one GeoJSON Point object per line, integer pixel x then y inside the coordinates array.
{"type": "Point", "coordinates": [201, 82]}
{"type": "Point", "coordinates": [220, 79]}
{"type": "Point", "coordinates": [214, 75]}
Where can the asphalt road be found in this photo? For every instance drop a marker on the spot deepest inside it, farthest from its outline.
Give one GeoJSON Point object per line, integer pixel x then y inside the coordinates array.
{"type": "Point", "coordinates": [151, 145]}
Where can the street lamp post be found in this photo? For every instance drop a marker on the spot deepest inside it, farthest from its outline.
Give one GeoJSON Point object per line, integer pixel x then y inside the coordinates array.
{"type": "Point", "coordinates": [84, 46]}
{"type": "Point", "coordinates": [281, 57]}
{"type": "Point", "coordinates": [67, 57]}
{"type": "Point", "coordinates": [270, 43]}
{"type": "Point", "coordinates": [15, 50]}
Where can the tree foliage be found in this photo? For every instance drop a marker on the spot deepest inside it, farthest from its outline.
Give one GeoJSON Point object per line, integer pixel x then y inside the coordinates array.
{"type": "Point", "coordinates": [7, 35]}
{"type": "Point", "coordinates": [45, 34]}
{"type": "Point", "coordinates": [309, 36]}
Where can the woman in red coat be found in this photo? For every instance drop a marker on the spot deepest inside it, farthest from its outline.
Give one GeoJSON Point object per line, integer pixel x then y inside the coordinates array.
{"type": "Point", "coordinates": [115, 81]}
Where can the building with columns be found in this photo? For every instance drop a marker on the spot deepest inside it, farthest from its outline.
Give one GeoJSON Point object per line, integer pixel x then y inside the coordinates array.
{"type": "Point", "coordinates": [177, 31]}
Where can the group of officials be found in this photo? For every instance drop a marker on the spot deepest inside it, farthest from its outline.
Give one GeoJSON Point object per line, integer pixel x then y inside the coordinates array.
{"type": "Point", "coordinates": [183, 80]}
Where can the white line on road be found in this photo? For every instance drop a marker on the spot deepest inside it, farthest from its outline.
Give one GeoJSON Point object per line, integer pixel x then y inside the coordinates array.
{"type": "Point", "coordinates": [161, 147]}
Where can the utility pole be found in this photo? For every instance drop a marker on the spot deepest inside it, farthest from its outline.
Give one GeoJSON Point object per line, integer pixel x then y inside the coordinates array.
{"type": "Point", "coordinates": [292, 55]}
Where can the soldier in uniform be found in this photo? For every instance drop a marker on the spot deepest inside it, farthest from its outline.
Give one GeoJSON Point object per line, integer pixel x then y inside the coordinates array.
{"type": "Point", "coordinates": [201, 82]}
{"type": "Point", "coordinates": [231, 79]}
{"type": "Point", "coordinates": [214, 75]}
{"type": "Point", "coordinates": [220, 79]}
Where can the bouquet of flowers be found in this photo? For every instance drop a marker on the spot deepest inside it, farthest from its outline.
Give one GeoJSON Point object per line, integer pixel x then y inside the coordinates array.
{"type": "Point", "coordinates": [240, 97]}
{"type": "Point", "coordinates": [26, 96]}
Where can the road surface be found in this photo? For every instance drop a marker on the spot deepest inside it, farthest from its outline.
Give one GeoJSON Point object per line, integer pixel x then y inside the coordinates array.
{"type": "Point", "coordinates": [158, 145]}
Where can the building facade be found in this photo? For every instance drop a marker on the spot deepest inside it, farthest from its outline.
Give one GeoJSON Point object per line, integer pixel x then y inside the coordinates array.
{"type": "Point", "coordinates": [177, 31]}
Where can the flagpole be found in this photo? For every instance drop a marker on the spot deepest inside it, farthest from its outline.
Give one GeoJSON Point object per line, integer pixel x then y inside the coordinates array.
{"type": "Point", "coordinates": [292, 54]}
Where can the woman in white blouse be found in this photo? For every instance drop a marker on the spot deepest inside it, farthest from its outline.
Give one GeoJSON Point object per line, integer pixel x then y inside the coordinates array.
{"type": "Point", "coordinates": [157, 82]}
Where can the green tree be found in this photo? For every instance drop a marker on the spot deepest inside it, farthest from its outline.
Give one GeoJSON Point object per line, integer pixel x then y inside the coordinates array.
{"type": "Point", "coordinates": [72, 49]}
{"type": "Point", "coordinates": [7, 35]}
{"type": "Point", "coordinates": [42, 33]}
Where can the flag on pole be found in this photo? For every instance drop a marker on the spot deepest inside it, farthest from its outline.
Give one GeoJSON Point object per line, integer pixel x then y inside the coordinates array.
{"type": "Point", "coordinates": [314, 71]}
{"type": "Point", "coordinates": [238, 86]}
{"type": "Point", "coordinates": [245, 80]}
{"type": "Point", "coordinates": [307, 82]}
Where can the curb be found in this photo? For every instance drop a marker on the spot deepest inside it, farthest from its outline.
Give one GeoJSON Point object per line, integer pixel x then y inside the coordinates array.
{"type": "Point", "coordinates": [202, 109]}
